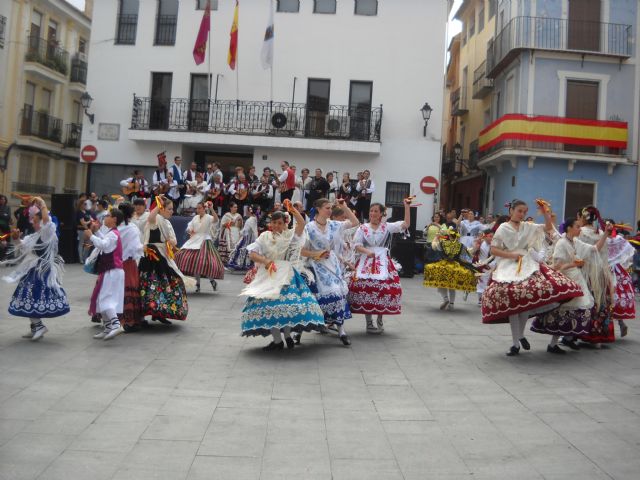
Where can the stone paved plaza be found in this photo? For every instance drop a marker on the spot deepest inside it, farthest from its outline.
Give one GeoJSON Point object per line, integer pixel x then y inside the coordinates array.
{"type": "Point", "coordinates": [432, 398]}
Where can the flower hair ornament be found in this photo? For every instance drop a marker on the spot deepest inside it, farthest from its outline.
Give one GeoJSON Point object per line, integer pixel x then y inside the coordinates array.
{"type": "Point", "coordinates": [33, 211]}
{"type": "Point", "coordinates": [507, 205]}
{"type": "Point", "coordinates": [591, 214]}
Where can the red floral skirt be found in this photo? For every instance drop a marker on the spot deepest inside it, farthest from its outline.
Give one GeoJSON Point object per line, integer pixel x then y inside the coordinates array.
{"type": "Point", "coordinates": [132, 314]}
{"type": "Point", "coordinates": [601, 327]}
{"type": "Point", "coordinates": [250, 275]}
{"type": "Point", "coordinates": [625, 306]}
{"type": "Point", "coordinates": [381, 297]}
{"type": "Point", "coordinates": [545, 287]}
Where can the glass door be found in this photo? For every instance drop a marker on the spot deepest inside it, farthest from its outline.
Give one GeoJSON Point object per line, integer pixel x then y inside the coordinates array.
{"type": "Point", "coordinates": [160, 101]}
{"type": "Point", "coordinates": [360, 110]}
{"type": "Point", "coordinates": [199, 103]}
{"type": "Point", "coordinates": [318, 91]}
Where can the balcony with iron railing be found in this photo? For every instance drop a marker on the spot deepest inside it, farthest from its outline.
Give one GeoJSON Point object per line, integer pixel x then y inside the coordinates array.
{"type": "Point", "coordinates": [297, 120]}
{"type": "Point", "coordinates": [78, 70]}
{"type": "Point", "coordinates": [41, 125]}
{"type": "Point", "coordinates": [459, 104]}
{"type": "Point", "coordinates": [547, 135]}
{"type": "Point", "coordinates": [73, 135]}
{"type": "Point", "coordinates": [166, 26]}
{"type": "Point", "coordinates": [48, 53]}
{"type": "Point", "coordinates": [557, 34]}
{"type": "Point", "coordinates": [126, 27]}
{"type": "Point", "coordinates": [24, 187]}
{"type": "Point", "coordinates": [482, 86]}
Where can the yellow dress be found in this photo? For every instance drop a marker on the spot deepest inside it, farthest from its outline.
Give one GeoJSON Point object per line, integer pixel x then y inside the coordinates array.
{"type": "Point", "coordinates": [450, 272]}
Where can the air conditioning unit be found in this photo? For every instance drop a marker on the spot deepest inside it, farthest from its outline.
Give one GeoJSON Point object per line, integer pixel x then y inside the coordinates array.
{"type": "Point", "coordinates": [283, 123]}
{"type": "Point", "coordinates": [337, 126]}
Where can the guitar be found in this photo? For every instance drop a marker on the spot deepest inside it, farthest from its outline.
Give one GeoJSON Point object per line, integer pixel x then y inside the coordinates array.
{"type": "Point", "coordinates": [161, 188]}
{"type": "Point", "coordinates": [131, 188]}
{"type": "Point", "coordinates": [241, 195]}
{"type": "Point", "coordinates": [215, 193]}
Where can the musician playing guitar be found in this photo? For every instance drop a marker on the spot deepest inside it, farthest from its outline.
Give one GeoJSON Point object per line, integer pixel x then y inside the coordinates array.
{"type": "Point", "coordinates": [216, 193]}
{"type": "Point", "coordinates": [239, 190]}
{"type": "Point", "coordinates": [135, 186]}
{"type": "Point", "coordinates": [263, 193]}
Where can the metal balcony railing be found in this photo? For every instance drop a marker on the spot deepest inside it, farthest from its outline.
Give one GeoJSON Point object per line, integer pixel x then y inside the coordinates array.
{"type": "Point", "coordinates": [257, 118]}
{"type": "Point", "coordinates": [47, 53]}
{"type": "Point", "coordinates": [73, 135]}
{"type": "Point", "coordinates": [78, 71]}
{"type": "Point", "coordinates": [166, 29]}
{"type": "Point", "coordinates": [482, 85]}
{"type": "Point", "coordinates": [126, 28]}
{"type": "Point", "coordinates": [32, 188]}
{"type": "Point", "coordinates": [41, 125]}
{"type": "Point", "coordinates": [459, 101]}
{"type": "Point", "coordinates": [557, 34]}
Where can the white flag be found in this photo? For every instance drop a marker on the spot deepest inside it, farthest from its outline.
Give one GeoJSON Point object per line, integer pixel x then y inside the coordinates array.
{"type": "Point", "coordinates": [267, 46]}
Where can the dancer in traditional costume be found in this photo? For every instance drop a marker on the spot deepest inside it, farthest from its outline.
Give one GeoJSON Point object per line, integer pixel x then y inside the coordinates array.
{"type": "Point", "coordinates": [578, 261]}
{"type": "Point", "coordinates": [431, 231]}
{"type": "Point", "coordinates": [483, 262]}
{"type": "Point", "coordinates": [239, 259]}
{"type": "Point", "coordinates": [140, 216]}
{"type": "Point", "coordinates": [621, 254]}
{"type": "Point", "coordinates": [469, 228]}
{"type": "Point", "coordinates": [39, 293]}
{"type": "Point", "coordinates": [522, 285]}
{"type": "Point", "coordinates": [452, 272]}
{"type": "Point", "coordinates": [324, 237]}
{"type": "Point", "coordinates": [279, 300]}
{"type": "Point", "coordinates": [198, 256]}
{"type": "Point", "coordinates": [132, 249]}
{"type": "Point", "coordinates": [602, 285]}
{"type": "Point", "coordinates": [107, 298]}
{"type": "Point", "coordinates": [375, 286]}
{"type": "Point", "coordinates": [230, 224]}
{"type": "Point", "coordinates": [162, 284]}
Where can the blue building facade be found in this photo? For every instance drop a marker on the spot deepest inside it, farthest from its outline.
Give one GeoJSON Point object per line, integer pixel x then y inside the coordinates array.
{"type": "Point", "coordinates": [564, 109]}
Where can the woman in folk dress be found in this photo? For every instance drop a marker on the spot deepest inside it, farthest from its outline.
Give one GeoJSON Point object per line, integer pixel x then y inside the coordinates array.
{"type": "Point", "coordinates": [375, 286]}
{"type": "Point", "coordinates": [324, 240]}
{"type": "Point", "coordinates": [279, 300]}
{"type": "Point", "coordinates": [39, 270]}
{"type": "Point", "coordinates": [162, 284]}
{"type": "Point", "coordinates": [522, 285]}
{"type": "Point", "coordinates": [578, 261]}
{"type": "Point", "coordinates": [107, 298]}
{"type": "Point", "coordinates": [621, 254]}
{"type": "Point", "coordinates": [231, 224]}
{"type": "Point", "coordinates": [131, 318]}
{"type": "Point", "coordinates": [239, 259]}
{"type": "Point", "coordinates": [198, 256]}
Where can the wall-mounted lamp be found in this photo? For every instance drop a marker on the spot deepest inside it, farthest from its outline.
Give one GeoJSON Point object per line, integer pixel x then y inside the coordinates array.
{"type": "Point", "coordinates": [85, 100]}
{"type": "Point", "coordinates": [426, 115]}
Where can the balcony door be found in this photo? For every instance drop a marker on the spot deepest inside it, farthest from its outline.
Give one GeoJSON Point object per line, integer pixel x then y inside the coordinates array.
{"type": "Point", "coordinates": [199, 103]}
{"type": "Point", "coordinates": [160, 101]}
{"type": "Point", "coordinates": [360, 110]}
{"type": "Point", "coordinates": [584, 25]}
{"type": "Point", "coordinates": [578, 195]}
{"type": "Point", "coordinates": [317, 106]}
{"type": "Point", "coordinates": [582, 102]}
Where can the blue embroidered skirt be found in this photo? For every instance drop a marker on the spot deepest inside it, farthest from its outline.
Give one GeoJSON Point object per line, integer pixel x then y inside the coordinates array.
{"type": "Point", "coordinates": [33, 298]}
{"type": "Point", "coordinates": [335, 307]}
{"type": "Point", "coordinates": [296, 307]}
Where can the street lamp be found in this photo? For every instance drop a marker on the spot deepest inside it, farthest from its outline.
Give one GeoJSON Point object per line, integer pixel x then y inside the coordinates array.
{"type": "Point", "coordinates": [426, 115]}
{"type": "Point", "coordinates": [85, 100]}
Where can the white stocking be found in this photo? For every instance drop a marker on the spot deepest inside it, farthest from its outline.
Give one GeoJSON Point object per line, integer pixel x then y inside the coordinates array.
{"type": "Point", "coordinates": [514, 322]}
{"type": "Point", "coordinates": [452, 296]}
{"type": "Point", "coordinates": [443, 294]}
{"type": "Point", "coordinates": [275, 332]}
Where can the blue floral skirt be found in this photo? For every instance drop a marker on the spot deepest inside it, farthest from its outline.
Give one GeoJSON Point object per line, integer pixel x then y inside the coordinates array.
{"type": "Point", "coordinates": [34, 299]}
{"type": "Point", "coordinates": [567, 322]}
{"type": "Point", "coordinates": [239, 259]}
{"type": "Point", "coordinates": [296, 307]}
{"type": "Point", "coordinates": [335, 307]}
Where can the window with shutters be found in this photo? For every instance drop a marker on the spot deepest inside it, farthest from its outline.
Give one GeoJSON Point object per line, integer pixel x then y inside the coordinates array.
{"type": "Point", "coordinates": [42, 171]}
{"type": "Point", "coordinates": [25, 169]}
{"type": "Point", "coordinates": [366, 7]}
{"type": "Point", "coordinates": [472, 24]}
{"type": "Point", "coordinates": [582, 103]}
{"type": "Point", "coordinates": [202, 4]}
{"type": "Point", "coordinates": [324, 6]}
{"type": "Point", "coordinates": [290, 6]}
{"type": "Point", "coordinates": [127, 22]}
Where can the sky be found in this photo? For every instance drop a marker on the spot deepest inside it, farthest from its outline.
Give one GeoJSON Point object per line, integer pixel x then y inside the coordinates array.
{"type": "Point", "coordinates": [77, 3]}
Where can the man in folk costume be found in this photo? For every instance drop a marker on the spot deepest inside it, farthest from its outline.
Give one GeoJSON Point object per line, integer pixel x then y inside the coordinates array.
{"type": "Point", "coordinates": [176, 170]}
{"type": "Point", "coordinates": [190, 175]}
{"type": "Point", "coordinates": [159, 176]}
{"type": "Point", "coordinates": [138, 183]}
{"type": "Point", "coordinates": [286, 181]}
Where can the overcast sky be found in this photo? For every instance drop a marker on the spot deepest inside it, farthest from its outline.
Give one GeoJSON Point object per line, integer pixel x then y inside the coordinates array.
{"type": "Point", "coordinates": [77, 3]}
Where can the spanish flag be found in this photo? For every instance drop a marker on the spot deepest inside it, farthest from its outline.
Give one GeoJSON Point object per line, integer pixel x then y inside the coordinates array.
{"type": "Point", "coordinates": [233, 41]}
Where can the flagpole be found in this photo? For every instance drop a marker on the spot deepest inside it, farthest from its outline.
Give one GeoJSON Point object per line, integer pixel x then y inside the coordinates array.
{"type": "Point", "coordinates": [209, 51]}
{"type": "Point", "coordinates": [273, 47]}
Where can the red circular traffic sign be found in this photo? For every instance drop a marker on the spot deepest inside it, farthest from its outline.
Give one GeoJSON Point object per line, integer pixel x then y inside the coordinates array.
{"type": "Point", "coordinates": [429, 185]}
{"type": "Point", "coordinates": [89, 153]}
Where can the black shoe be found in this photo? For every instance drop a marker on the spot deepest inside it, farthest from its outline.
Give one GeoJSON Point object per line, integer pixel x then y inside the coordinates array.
{"type": "Point", "coordinates": [197, 288]}
{"type": "Point", "coordinates": [130, 328]}
{"type": "Point", "coordinates": [214, 284]}
{"type": "Point", "coordinates": [163, 321]}
{"type": "Point", "coordinates": [297, 337]}
{"type": "Point", "coordinates": [273, 346]}
{"type": "Point", "coordinates": [97, 318]}
{"type": "Point", "coordinates": [290, 343]}
{"type": "Point", "coordinates": [513, 351]}
{"type": "Point", "coordinates": [345, 340]}
{"type": "Point", "coordinates": [525, 343]}
{"type": "Point", "coordinates": [570, 343]}
{"type": "Point", "coordinates": [555, 349]}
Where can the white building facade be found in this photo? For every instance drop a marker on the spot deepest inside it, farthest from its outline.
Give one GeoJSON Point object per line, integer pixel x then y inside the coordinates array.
{"type": "Point", "coordinates": [349, 84]}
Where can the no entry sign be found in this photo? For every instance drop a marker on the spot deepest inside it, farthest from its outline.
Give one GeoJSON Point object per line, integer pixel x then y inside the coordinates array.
{"type": "Point", "coordinates": [89, 153]}
{"type": "Point", "coordinates": [429, 185]}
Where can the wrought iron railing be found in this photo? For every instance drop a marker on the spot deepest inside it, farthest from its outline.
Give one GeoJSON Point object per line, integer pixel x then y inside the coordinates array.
{"type": "Point", "coordinates": [459, 101]}
{"type": "Point", "coordinates": [78, 71]}
{"type": "Point", "coordinates": [73, 135]}
{"type": "Point", "coordinates": [47, 53]}
{"type": "Point", "coordinates": [481, 84]}
{"type": "Point", "coordinates": [32, 188]}
{"type": "Point", "coordinates": [126, 27]}
{"type": "Point", "coordinates": [257, 118]}
{"type": "Point", "coordinates": [40, 124]}
{"type": "Point", "coordinates": [561, 34]}
{"type": "Point", "coordinates": [166, 29]}
{"type": "Point", "coordinates": [3, 26]}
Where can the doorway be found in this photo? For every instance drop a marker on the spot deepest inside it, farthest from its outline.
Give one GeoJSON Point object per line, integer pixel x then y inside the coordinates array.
{"type": "Point", "coordinates": [360, 94]}
{"type": "Point", "coordinates": [578, 195]}
{"type": "Point", "coordinates": [318, 91]}
{"type": "Point", "coordinates": [160, 101]}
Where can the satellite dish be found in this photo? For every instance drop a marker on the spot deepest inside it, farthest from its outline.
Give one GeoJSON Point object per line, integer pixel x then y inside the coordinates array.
{"type": "Point", "coordinates": [279, 120]}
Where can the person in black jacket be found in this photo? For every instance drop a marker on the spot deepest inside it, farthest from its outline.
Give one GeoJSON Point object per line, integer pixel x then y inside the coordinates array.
{"type": "Point", "coordinates": [319, 188]}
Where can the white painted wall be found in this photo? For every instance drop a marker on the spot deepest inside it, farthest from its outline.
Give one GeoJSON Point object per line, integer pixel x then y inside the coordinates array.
{"type": "Point", "coordinates": [401, 50]}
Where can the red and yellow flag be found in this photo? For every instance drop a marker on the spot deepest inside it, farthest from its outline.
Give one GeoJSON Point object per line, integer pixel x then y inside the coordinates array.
{"type": "Point", "coordinates": [200, 46]}
{"type": "Point", "coordinates": [233, 41]}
